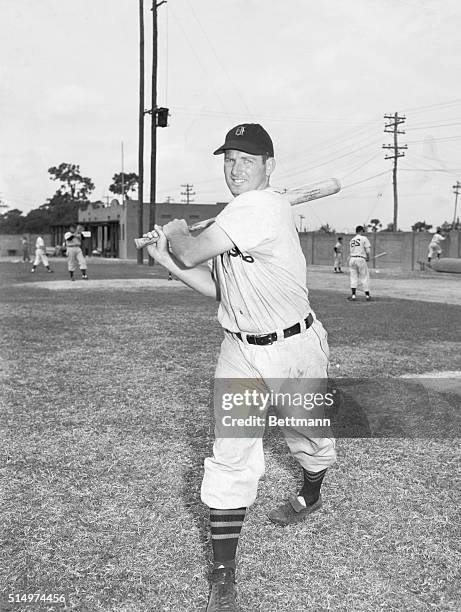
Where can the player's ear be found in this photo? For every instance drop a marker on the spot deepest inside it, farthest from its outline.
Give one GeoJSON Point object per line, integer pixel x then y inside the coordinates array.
{"type": "Point", "coordinates": [270, 166]}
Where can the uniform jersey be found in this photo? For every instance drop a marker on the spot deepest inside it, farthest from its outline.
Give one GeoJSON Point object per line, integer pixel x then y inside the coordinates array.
{"type": "Point", "coordinates": [359, 246]}
{"type": "Point", "coordinates": [40, 243]}
{"type": "Point", "coordinates": [262, 280]}
{"type": "Point", "coordinates": [437, 238]}
{"type": "Point", "coordinates": [338, 248]}
{"type": "Point", "coordinates": [73, 240]}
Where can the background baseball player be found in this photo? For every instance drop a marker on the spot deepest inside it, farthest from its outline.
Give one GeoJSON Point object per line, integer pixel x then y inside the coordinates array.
{"type": "Point", "coordinates": [73, 239]}
{"type": "Point", "coordinates": [434, 246]}
{"type": "Point", "coordinates": [359, 254]}
{"type": "Point", "coordinates": [271, 338]}
{"type": "Point", "coordinates": [40, 255]}
{"type": "Point", "coordinates": [338, 257]}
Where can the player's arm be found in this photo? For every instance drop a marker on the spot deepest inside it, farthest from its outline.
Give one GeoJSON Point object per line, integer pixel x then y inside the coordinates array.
{"type": "Point", "coordinates": [198, 278]}
{"type": "Point", "coordinates": [190, 250]}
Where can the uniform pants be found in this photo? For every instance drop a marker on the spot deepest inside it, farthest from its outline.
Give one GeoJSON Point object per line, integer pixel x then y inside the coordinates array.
{"type": "Point", "coordinates": [40, 256]}
{"type": "Point", "coordinates": [295, 364]}
{"type": "Point", "coordinates": [338, 260]}
{"type": "Point", "coordinates": [434, 249]}
{"type": "Point", "coordinates": [359, 273]}
{"type": "Point", "coordinates": [75, 257]}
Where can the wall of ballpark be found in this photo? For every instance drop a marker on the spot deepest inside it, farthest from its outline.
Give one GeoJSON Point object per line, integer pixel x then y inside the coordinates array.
{"type": "Point", "coordinates": [404, 250]}
{"type": "Point", "coordinates": [11, 244]}
{"type": "Point", "coordinates": [114, 226]}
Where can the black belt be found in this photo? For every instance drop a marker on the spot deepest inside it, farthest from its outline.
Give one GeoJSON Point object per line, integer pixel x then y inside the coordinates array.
{"type": "Point", "coordinates": [272, 337]}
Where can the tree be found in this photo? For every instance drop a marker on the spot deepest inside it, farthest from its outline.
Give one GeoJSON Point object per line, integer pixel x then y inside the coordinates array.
{"type": "Point", "coordinates": [449, 226]}
{"type": "Point", "coordinates": [421, 226]}
{"type": "Point", "coordinates": [72, 195]}
{"type": "Point", "coordinates": [12, 222]}
{"type": "Point", "coordinates": [130, 183]}
{"type": "Point", "coordinates": [75, 185]}
{"type": "Point", "coordinates": [61, 209]}
{"type": "Point", "coordinates": [327, 229]}
{"type": "Point", "coordinates": [374, 225]}
{"type": "Point", "coordinates": [37, 221]}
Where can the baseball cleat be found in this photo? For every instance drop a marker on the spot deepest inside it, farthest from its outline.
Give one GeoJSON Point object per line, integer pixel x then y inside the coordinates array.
{"type": "Point", "coordinates": [293, 512]}
{"type": "Point", "coordinates": [223, 594]}
{"type": "Point", "coordinates": [368, 298]}
{"type": "Point", "coordinates": [351, 298]}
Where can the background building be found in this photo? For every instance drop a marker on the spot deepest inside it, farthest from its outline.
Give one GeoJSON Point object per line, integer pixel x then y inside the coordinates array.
{"type": "Point", "coordinates": [114, 226]}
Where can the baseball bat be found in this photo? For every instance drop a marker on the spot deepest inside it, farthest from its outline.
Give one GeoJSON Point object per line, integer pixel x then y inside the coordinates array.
{"type": "Point", "coordinates": [379, 255]}
{"type": "Point", "coordinates": [298, 195]}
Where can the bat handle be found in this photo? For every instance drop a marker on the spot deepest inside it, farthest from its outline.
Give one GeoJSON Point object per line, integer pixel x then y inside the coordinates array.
{"type": "Point", "coordinates": [196, 227]}
{"type": "Point", "coordinates": [143, 242]}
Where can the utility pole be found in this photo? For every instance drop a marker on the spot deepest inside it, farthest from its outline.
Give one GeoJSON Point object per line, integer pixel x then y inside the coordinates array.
{"type": "Point", "coordinates": [123, 176]}
{"type": "Point", "coordinates": [140, 254]}
{"type": "Point", "coordinates": [456, 189]}
{"type": "Point", "coordinates": [153, 113]}
{"type": "Point", "coordinates": [188, 193]}
{"type": "Point", "coordinates": [392, 127]}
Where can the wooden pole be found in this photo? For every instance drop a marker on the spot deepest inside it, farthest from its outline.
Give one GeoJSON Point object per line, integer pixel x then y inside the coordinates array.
{"type": "Point", "coordinates": [140, 254]}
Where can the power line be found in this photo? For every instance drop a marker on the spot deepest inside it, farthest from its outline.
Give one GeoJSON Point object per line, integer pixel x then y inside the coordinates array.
{"type": "Point", "coordinates": [369, 178]}
{"type": "Point", "coordinates": [223, 68]}
{"type": "Point", "coordinates": [416, 109]}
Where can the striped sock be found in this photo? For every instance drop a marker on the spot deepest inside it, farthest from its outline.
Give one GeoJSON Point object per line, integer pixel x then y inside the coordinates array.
{"type": "Point", "coordinates": [225, 531]}
{"type": "Point", "coordinates": [311, 487]}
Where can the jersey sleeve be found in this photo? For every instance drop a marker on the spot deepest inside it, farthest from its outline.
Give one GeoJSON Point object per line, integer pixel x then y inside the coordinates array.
{"type": "Point", "coordinates": [366, 243]}
{"type": "Point", "coordinates": [249, 220]}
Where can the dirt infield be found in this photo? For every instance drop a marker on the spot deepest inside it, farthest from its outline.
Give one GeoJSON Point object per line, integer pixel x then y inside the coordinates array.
{"type": "Point", "coordinates": [426, 287]}
{"type": "Point", "coordinates": [106, 284]}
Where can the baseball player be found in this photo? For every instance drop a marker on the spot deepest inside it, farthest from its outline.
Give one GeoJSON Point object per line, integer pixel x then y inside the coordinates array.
{"type": "Point", "coordinates": [338, 251]}
{"type": "Point", "coordinates": [434, 246]}
{"type": "Point", "coordinates": [73, 239]}
{"type": "Point", "coordinates": [359, 254]}
{"type": "Point", "coordinates": [40, 255]}
{"type": "Point", "coordinates": [272, 341]}
{"type": "Point", "coordinates": [25, 250]}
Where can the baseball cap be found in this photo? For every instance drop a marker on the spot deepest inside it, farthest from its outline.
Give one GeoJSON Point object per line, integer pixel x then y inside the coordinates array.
{"type": "Point", "coordinates": [250, 138]}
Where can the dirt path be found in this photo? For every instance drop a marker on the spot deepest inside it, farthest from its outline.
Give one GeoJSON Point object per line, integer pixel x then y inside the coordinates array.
{"type": "Point", "coordinates": [430, 287]}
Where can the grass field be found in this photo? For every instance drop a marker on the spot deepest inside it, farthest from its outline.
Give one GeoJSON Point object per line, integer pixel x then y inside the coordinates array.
{"type": "Point", "coordinates": [105, 425]}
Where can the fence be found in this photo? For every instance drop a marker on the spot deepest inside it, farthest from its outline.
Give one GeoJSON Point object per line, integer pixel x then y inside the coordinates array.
{"type": "Point", "coordinates": [11, 244]}
{"type": "Point", "coordinates": [403, 249]}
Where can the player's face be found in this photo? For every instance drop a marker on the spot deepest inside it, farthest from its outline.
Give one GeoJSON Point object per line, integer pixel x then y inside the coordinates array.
{"type": "Point", "coordinates": [244, 172]}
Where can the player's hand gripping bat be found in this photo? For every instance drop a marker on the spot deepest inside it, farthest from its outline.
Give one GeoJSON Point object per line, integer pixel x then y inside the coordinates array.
{"type": "Point", "coordinates": [299, 195]}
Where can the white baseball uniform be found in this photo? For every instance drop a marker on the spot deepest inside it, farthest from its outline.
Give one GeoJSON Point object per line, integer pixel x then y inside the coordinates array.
{"type": "Point", "coordinates": [359, 252]}
{"type": "Point", "coordinates": [74, 251]}
{"type": "Point", "coordinates": [262, 285]}
{"type": "Point", "coordinates": [338, 250]}
{"type": "Point", "coordinates": [434, 246]}
{"type": "Point", "coordinates": [40, 253]}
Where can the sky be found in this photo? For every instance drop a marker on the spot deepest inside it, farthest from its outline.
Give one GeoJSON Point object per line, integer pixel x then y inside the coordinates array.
{"type": "Point", "coordinates": [319, 76]}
